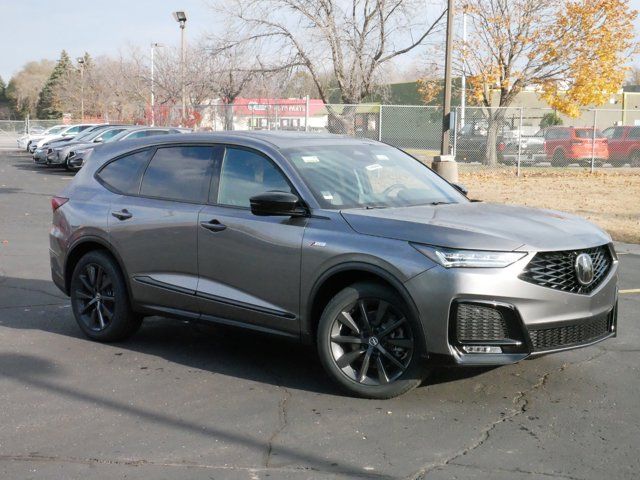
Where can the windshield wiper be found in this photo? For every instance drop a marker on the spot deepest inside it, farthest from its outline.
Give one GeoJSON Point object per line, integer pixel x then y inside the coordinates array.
{"type": "Point", "coordinates": [373, 206]}
{"type": "Point", "coordinates": [441, 203]}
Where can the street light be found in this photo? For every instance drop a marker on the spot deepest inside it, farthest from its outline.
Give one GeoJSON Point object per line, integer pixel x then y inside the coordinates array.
{"type": "Point", "coordinates": [445, 148]}
{"type": "Point", "coordinates": [153, 97]}
{"type": "Point", "coordinates": [181, 18]}
{"type": "Point", "coordinates": [81, 62]}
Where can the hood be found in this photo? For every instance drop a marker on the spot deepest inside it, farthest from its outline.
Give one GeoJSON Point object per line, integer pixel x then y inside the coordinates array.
{"type": "Point", "coordinates": [479, 226]}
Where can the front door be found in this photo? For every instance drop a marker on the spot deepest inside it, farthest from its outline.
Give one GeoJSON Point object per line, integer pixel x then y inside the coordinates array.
{"type": "Point", "coordinates": [249, 266]}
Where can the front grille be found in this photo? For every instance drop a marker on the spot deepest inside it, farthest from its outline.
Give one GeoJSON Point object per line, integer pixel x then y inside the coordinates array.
{"type": "Point", "coordinates": [568, 335]}
{"type": "Point", "coordinates": [557, 269]}
{"type": "Point", "coordinates": [476, 323]}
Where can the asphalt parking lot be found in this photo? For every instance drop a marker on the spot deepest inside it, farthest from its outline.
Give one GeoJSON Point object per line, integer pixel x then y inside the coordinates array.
{"type": "Point", "coordinates": [180, 401]}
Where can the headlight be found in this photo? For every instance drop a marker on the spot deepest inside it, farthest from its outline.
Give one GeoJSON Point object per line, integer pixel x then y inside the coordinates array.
{"type": "Point", "coordinates": [451, 258]}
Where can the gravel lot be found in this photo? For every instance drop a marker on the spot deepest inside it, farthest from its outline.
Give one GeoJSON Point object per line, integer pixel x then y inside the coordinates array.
{"type": "Point", "coordinates": [180, 401]}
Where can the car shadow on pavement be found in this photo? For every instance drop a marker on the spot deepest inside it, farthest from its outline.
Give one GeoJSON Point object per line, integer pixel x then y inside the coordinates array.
{"type": "Point", "coordinates": [210, 347]}
{"type": "Point", "coordinates": [27, 164]}
{"type": "Point", "coordinates": [41, 374]}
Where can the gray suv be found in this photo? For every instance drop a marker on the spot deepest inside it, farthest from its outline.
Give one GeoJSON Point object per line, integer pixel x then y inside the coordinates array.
{"type": "Point", "coordinates": [348, 244]}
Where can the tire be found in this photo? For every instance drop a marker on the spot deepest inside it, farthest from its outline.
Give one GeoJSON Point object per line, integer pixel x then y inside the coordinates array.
{"type": "Point", "coordinates": [394, 353]}
{"type": "Point", "coordinates": [634, 159]}
{"type": "Point", "coordinates": [67, 165]}
{"type": "Point", "coordinates": [100, 301]}
{"type": "Point", "coordinates": [558, 160]}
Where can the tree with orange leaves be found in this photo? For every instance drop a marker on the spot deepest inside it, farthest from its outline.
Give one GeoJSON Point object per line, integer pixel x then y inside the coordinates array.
{"type": "Point", "coordinates": [574, 52]}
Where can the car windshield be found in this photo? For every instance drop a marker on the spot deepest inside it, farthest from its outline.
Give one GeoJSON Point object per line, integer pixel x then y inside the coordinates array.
{"type": "Point", "coordinates": [90, 133]}
{"type": "Point", "coordinates": [368, 176]}
{"type": "Point", "coordinates": [54, 130]}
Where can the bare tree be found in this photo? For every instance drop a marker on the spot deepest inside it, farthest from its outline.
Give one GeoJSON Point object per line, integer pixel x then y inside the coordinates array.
{"type": "Point", "coordinates": [346, 42]}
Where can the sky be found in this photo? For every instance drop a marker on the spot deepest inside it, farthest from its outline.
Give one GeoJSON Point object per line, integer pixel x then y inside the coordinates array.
{"type": "Point", "coordinates": [37, 29]}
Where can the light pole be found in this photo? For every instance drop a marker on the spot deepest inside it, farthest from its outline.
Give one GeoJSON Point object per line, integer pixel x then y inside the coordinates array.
{"type": "Point", "coordinates": [153, 96]}
{"type": "Point", "coordinates": [463, 80]}
{"type": "Point", "coordinates": [446, 110]}
{"type": "Point", "coordinates": [181, 18]}
{"type": "Point", "coordinates": [81, 62]}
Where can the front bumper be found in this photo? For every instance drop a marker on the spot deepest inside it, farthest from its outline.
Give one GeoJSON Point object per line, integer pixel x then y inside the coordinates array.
{"type": "Point", "coordinates": [535, 308]}
{"type": "Point", "coordinates": [525, 157]}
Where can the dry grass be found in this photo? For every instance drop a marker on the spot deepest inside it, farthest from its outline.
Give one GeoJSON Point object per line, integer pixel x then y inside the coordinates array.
{"type": "Point", "coordinates": [611, 199]}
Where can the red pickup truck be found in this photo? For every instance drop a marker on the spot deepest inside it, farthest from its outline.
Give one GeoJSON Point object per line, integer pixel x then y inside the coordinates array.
{"type": "Point", "coordinates": [566, 145]}
{"type": "Point", "coordinates": [624, 145]}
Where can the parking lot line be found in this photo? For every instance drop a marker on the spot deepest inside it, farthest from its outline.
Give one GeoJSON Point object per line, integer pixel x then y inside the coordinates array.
{"type": "Point", "coordinates": [632, 290]}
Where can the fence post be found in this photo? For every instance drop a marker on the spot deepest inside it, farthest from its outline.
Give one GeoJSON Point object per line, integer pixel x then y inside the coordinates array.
{"type": "Point", "coordinates": [593, 140]}
{"type": "Point", "coordinates": [27, 125]}
{"type": "Point", "coordinates": [455, 130]}
{"type": "Point", "coordinates": [277, 119]}
{"type": "Point", "coordinates": [306, 113]}
{"type": "Point", "coordinates": [380, 123]}
{"type": "Point", "coordinates": [519, 142]}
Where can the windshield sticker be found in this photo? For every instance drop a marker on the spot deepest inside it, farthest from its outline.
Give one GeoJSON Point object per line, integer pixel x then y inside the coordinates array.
{"type": "Point", "coordinates": [327, 195]}
{"type": "Point", "coordinates": [373, 166]}
{"type": "Point", "coordinates": [310, 159]}
{"type": "Point", "coordinates": [382, 157]}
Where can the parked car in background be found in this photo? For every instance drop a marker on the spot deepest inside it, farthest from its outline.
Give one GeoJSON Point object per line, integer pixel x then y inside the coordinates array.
{"type": "Point", "coordinates": [77, 155]}
{"type": "Point", "coordinates": [530, 149]}
{"type": "Point", "coordinates": [42, 154]}
{"type": "Point", "coordinates": [26, 141]}
{"type": "Point", "coordinates": [381, 266]}
{"type": "Point", "coordinates": [471, 143]}
{"type": "Point", "coordinates": [69, 131]}
{"type": "Point", "coordinates": [566, 145]}
{"type": "Point", "coordinates": [624, 145]}
{"type": "Point", "coordinates": [59, 153]}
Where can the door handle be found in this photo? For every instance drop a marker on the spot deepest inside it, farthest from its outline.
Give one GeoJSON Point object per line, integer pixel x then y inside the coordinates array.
{"type": "Point", "coordinates": [123, 214]}
{"type": "Point", "coordinates": [213, 225]}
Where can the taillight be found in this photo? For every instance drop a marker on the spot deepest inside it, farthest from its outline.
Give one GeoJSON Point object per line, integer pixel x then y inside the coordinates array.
{"type": "Point", "coordinates": [57, 202]}
{"type": "Point", "coordinates": [501, 147]}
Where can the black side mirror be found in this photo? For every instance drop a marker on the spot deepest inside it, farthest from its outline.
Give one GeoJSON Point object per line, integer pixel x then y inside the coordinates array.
{"type": "Point", "coordinates": [277, 204]}
{"type": "Point", "coordinates": [461, 188]}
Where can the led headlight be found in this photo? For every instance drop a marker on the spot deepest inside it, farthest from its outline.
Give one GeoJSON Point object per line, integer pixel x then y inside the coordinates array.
{"type": "Point", "coordinates": [451, 258]}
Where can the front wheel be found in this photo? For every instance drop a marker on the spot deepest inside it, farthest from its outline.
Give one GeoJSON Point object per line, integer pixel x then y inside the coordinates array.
{"type": "Point", "coordinates": [370, 343]}
{"type": "Point", "coordinates": [100, 301]}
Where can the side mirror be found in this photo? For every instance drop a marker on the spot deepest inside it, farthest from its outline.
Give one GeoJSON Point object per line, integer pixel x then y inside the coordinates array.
{"type": "Point", "coordinates": [461, 188]}
{"type": "Point", "coordinates": [98, 140]}
{"type": "Point", "coordinates": [277, 204]}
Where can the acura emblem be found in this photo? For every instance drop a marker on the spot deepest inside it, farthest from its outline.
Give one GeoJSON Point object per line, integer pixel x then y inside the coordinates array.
{"type": "Point", "coordinates": [584, 269]}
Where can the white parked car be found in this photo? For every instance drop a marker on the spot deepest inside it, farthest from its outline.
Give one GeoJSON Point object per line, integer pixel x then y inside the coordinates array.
{"type": "Point", "coordinates": [68, 131]}
{"type": "Point", "coordinates": [25, 140]}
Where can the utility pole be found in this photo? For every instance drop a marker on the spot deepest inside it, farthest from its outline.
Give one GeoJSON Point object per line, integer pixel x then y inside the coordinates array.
{"type": "Point", "coordinates": [81, 62]}
{"type": "Point", "coordinates": [153, 93]}
{"type": "Point", "coordinates": [446, 110]}
{"type": "Point", "coordinates": [463, 80]}
{"type": "Point", "coordinates": [181, 18]}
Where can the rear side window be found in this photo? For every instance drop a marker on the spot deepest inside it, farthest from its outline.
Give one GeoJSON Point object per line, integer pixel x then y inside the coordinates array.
{"type": "Point", "coordinates": [634, 132]}
{"type": "Point", "coordinates": [124, 174]}
{"type": "Point", "coordinates": [587, 133]}
{"type": "Point", "coordinates": [179, 173]}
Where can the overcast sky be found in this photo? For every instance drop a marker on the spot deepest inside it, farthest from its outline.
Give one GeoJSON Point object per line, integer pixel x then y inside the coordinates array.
{"type": "Point", "coordinates": [36, 29]}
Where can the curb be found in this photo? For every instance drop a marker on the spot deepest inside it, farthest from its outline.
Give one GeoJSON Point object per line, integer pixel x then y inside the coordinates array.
{"type": "Point", "coordinates": [627, 248]}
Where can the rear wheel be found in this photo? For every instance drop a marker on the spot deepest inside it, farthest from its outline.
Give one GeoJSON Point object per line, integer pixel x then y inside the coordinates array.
{"type": "Point", "coordinates": [100, 301]}
{"type": "Point", "coordinates": [634, 159]}
{"type": "Point", "coordinates": [559, 159]}
{"type": "Point", "coordinates": [370, 343]}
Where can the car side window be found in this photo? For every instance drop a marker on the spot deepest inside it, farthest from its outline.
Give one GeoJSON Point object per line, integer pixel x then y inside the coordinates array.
{"type": "Point", "coordinates": [140, 134]}
{"type": "Point", "coordinates": [151, 133]}
{"type": "Point", "coordinates": [244, 174]}
{"type": "Point", "coordinates": [634, 132]}
{"type": "Point", "coordinates": [179, 173]}
{"type": "Point", "coordinates": [123, 175]}
{"type": "Point", "coordinates": [110, 133]}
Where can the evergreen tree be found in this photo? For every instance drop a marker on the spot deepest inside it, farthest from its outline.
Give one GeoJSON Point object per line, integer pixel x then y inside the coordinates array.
{"type": "Point", "coordinates": [48, 105]}
{"type": "Point", "coordinates": [3, 90]}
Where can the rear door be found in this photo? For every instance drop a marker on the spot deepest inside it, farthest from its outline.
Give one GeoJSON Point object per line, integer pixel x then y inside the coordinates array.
{"type": "Point", "coordinates": [153, 224]}
{"type": "Point", "coordinates": [615, 138]}
{"type": "Point", "coordinates": [249, 265]}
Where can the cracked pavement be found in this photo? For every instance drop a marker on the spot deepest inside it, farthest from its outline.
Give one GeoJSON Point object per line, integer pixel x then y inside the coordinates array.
{"type": "Point", "coordinates": [180, 401]}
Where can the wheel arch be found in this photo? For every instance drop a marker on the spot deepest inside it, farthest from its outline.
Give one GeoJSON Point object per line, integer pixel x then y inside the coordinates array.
{"type": "Point", "coordinates": [84, 246]}
{"type": "Point", "coordinates": [341, 276]}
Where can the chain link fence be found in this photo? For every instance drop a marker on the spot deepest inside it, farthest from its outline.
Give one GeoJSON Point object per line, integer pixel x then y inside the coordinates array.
{"type": "Point", "coordinates": [509, 140]}
{"type": "Point", "coordinates": [518, 138]}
